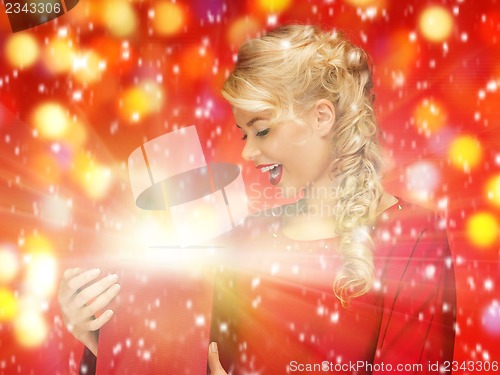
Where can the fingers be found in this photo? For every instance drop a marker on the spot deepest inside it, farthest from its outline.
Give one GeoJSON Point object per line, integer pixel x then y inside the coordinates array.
{"type": "Point", "coordinates": [97, 323]}
{"type": "Point", "coordinates": [74, 279]}
{"type": "Point", "coordinates": [213, 360]}
{"type": "Point", "coordinates": [85, 295]}
{"type": "Point", "coordinates": [104, 299]}
{"type": "Point", "coordinates": [81, 298]}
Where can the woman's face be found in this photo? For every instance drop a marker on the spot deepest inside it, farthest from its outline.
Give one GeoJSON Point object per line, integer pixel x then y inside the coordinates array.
{"type": "Point", "coordinates": [295, 156]}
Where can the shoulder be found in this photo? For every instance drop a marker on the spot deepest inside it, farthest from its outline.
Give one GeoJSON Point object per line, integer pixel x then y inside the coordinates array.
{"type": "Point", "coordinates": [410, 230]}
{"type": "Point", "coordinates": [413, 217]}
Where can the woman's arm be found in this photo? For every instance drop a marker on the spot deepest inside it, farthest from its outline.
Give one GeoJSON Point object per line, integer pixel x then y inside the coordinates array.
{"type": "Point", "coordinates": [419, 303]}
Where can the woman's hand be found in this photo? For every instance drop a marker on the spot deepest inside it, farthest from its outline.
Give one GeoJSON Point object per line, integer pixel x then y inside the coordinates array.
{"type": "Point", "coordinates": [213, 360]}
{"type": "Point", "coordinates": [81, 297]}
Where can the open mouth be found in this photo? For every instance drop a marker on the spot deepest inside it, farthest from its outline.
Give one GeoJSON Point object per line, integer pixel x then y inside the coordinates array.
{"type": "Point", "coordinates": [275, 171]}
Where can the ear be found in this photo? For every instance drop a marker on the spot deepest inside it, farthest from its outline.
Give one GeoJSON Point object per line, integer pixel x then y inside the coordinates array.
{"type": "Point", "coordinates": [324, 116]}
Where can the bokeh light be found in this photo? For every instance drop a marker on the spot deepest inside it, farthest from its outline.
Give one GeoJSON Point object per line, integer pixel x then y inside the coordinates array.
{"type": "Point", "coordinates": [241, 30]}
{"type": "Point", "coordinates": [22, 50]}
{"type": "Point", "coordinates": [94, 178]}
{"type": "Point", "coordinates": [465, 152]}
{"type": "Point", "coordinates": [197, 62]}
{"type": "Point", "coordinates": [51, 120]}
{"type": "Point", "coordinates": [140, 101]}
{"type": "Point", "coordinates": [119, 17]}
{"type": "Point", "coordinates": [40, 266]}
{"type": "Point", "coordinates": [491, 318]}
{"type": "Point", "coordinates": [8, 305]}
{"type": "Point", "coordinates": [58, 55]}
{"type": "Point", "coordinates": [167, 18]}
{"type": "Point", "coordinates": [55, 210]}
{"type": "Point", "coordinates": [493, 190]}
{"type": "Point", "coordinates": [274, 6]}
{"type": "Point", "coordinates": [482, 229]}
{"type": "Point", "coordinates": [9, 264]}
{"type": "Point", "coordinates": [30, 328]}
{"type": "Point", "coordinates": [87, 67]}
{"type": "Point", "coordinates": [365, 3]}
{"type": "Point", "coordinates": [430, 116]}
{"type": "Point", "coordinates": [422, 179]}
{"type": "Point", "coordinates": [436, 23]}
{"type": "Point", "coordinates": [41, 273]}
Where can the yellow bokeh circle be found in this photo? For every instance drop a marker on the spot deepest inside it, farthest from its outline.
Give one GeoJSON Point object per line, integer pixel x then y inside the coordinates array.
{"type": "Point", "coordinates": [482, 229]}
{"type": "Point", "coordinates": [241, 30]}
{"type": "Point", "coordinates": [140, 101]}
{"type": "Point", "coordinates": [168, 18]}
{"type": "Point", "coordinates": [22, 50]}
{"type": "Point", "coordinates": [51, 120]}
{"type": "Point", "coordinates": [435, 23]}
{"type": "Point", "coordinates": [430, 116]}
{"type": "Point", "coordinates": [9, 264]}
{"type": "Point", "coordinates": [8, 305]}
{"type": "Point", "coordinates": [30, 329]}
{"type": "Point", "coordinates": [465, 152]}
{"type": "Point", "coordinates": [58, 55]}
{"type": "Point", "coordinates": [493, 190]}
{"type": "Point", "coordinates": [274, 6]}
{"type": "Point", "coordinates": [94, 178]}
{"type": "Point", "coordinates": [364, 3]}
{"type": "Point", "coordinates": [119, 17]}
{"type": "Point", "coordinates": [87, 67]}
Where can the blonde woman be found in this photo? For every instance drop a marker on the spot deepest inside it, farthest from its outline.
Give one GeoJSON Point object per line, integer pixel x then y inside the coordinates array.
{"type": "Point", "coordinates": [349, 279]}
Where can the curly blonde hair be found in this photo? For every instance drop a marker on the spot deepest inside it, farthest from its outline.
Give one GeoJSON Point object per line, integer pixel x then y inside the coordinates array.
{"type": "Point", "coordinates": [287, 71]}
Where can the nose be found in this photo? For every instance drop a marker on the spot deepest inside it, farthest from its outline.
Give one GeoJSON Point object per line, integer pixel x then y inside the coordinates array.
{"type": "Point", "coordinates": [250, 152]}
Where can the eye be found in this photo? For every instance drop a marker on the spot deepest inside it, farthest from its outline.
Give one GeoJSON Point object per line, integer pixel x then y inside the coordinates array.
{"type": "Point", "coordinates": [263, 133]}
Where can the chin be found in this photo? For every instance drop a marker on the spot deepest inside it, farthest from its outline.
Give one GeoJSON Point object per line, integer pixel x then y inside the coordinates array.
{"type": "Point", "coordinates": [291, 192]}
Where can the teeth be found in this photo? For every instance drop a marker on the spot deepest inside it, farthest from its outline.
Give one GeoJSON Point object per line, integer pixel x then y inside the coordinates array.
{"type": "Point", "coordinates": [268, 168]}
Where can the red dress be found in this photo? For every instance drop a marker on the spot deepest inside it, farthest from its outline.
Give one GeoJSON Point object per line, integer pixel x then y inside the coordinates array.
{"type": "Point", "coordinates": [274, 311]}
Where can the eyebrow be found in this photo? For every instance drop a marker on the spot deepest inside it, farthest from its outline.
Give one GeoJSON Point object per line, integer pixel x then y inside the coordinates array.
{"type": "Point", "coordinates": [252, 121]}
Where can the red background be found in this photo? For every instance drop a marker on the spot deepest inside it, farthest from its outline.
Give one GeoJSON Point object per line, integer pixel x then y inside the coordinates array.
{"type": "Point", "coordinates": [459, 75]}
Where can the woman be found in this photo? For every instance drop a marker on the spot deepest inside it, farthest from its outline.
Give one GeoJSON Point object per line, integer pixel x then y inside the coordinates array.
{"type": "Point", "coordinates": [303, 101]}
